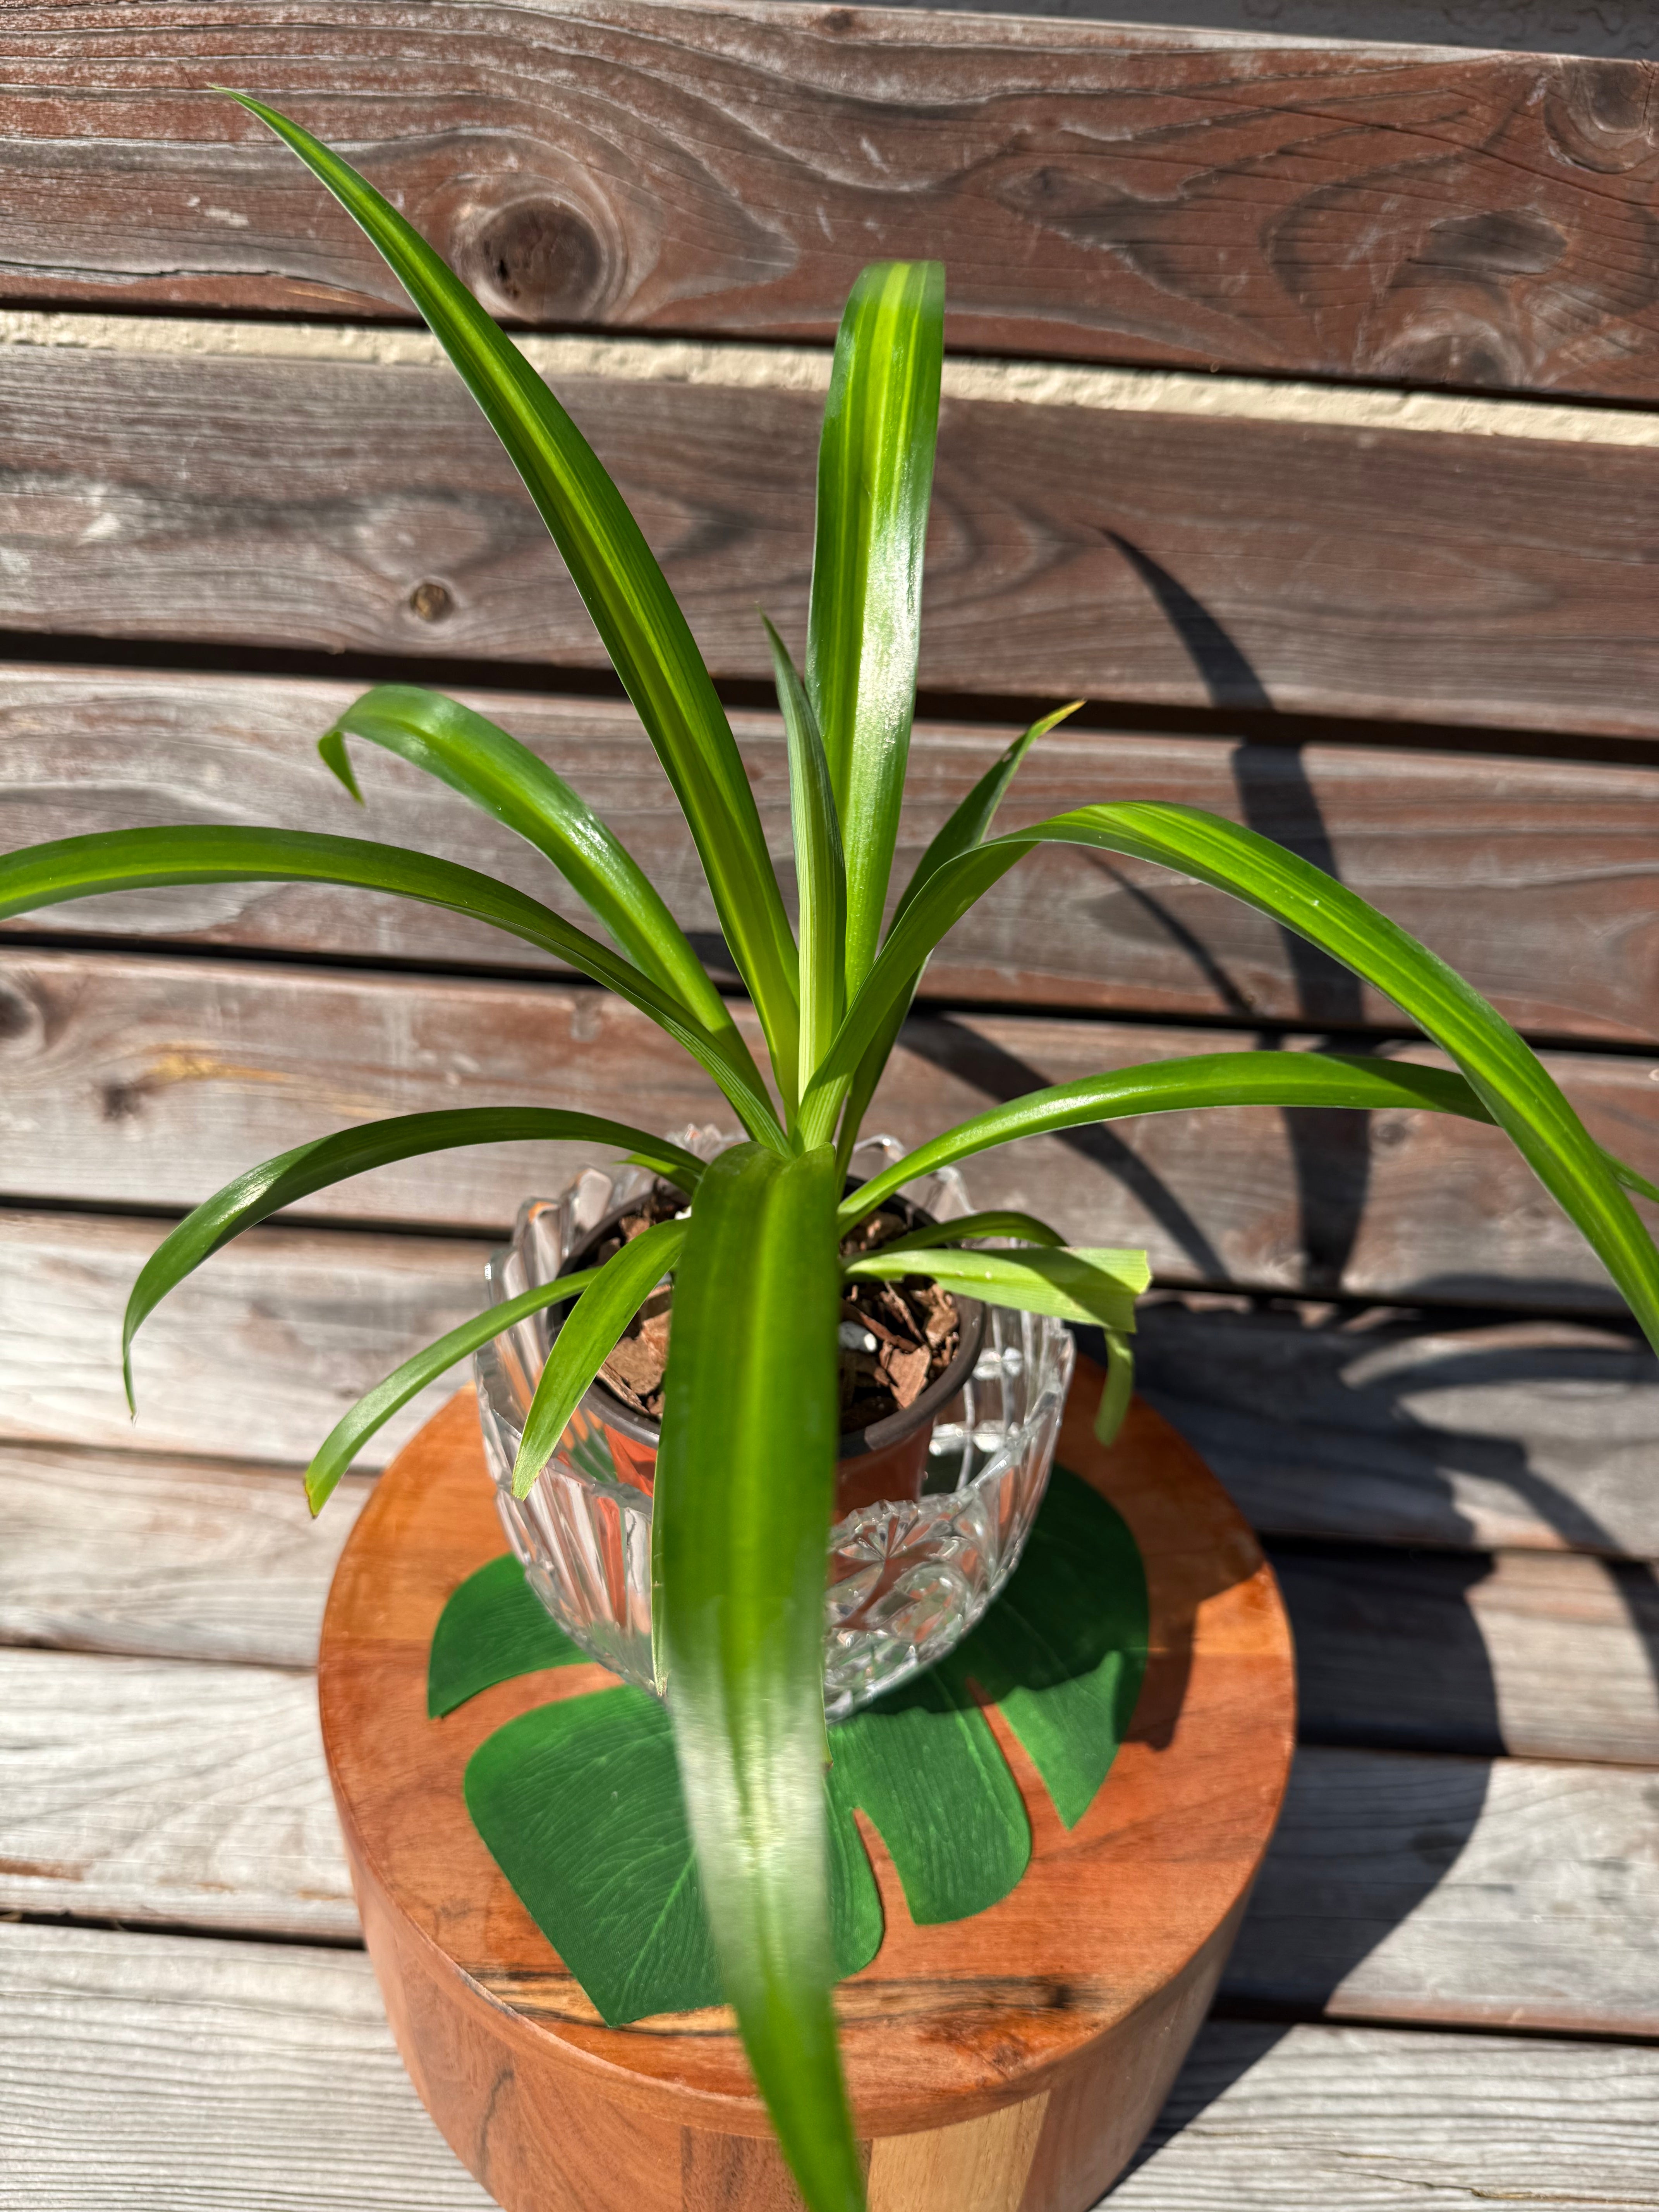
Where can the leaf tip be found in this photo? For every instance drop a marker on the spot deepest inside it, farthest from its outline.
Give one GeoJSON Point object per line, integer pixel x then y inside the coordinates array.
{"type": "Point", "coordinates": [332, 747]}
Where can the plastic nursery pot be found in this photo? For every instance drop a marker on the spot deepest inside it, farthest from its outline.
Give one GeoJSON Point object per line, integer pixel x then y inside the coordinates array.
{"type": "Point", "coordinates": [885, 1460]}
{"type": "Point", "coordinates": [935, 1503]}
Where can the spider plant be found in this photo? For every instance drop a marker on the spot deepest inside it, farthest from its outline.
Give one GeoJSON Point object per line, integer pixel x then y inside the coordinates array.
{"type": "Point", "coordinates": [750, 1426]}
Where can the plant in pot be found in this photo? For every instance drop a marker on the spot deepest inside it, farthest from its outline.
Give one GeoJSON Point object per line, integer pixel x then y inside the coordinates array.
{"type": "Point", "coordinates": [744, 1318]}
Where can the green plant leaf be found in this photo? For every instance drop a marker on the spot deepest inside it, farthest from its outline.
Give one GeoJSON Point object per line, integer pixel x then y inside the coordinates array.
{"type": "Point", "coordinates": [1167, 1086]}
{"type": "Point", "coordinates": [137, 860]}
{"type": "Point", "coordinates": [580, 1807]}
{"type": "Point", "coordinates": [969, 824]}
{"type": "Point", "coordinates": [477, 758]}
{"type": "Point", "coordinates": [875, 479]}
{"type": "Point", "coordinates": [995, 1223]}
{"type": "Point", "coordinates": [745, 1477]}
{"type": "Point", "coordinates": [1074, 1284]}
{"type": "Point", "coordinates": [493, 1628]}
{"type": "Point", "coordinates": [1506, 1076]}
{"type": "Point", "coordinates": [645, 634]}
{"type": "Point", "coordinates": [261, 1191]}
{"type": "Point", "coordinates": [375, 1408]}
{"type": "Point", "coordinates": [1119, 1389]}
{"type": "Point", "coordinates": [587, 1819]}
{"type": "Point", "coordinates": [582, 1347]}
{"type": "Point", "coordinates": [1062, 1653]}
{"type": "Point", "coordinates": [820, 866]}
{"type": "Point", "coordinates": [925, 1766]}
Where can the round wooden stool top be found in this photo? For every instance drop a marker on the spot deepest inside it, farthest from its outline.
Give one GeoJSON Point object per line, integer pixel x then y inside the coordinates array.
{"type": "Point", "coordinates": [1040, 2035]}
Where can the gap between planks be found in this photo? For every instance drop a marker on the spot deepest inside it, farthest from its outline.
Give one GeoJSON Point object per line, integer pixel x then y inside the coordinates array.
{"type": "Point", "coordinates": [806, 368]}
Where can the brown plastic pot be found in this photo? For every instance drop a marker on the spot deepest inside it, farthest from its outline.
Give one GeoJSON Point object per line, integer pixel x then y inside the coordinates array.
{"type": "Point", "coordinates": [885, 1460]}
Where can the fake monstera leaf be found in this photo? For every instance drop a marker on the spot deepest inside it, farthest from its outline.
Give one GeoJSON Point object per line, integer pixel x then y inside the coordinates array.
{"type": "Point", "coordinates": [580, 1805]}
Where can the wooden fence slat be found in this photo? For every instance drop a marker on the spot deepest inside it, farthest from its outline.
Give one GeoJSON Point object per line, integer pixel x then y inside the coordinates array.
{"type": "Point", "coordinates": [1387, 1429]}
{"type": "Point", "coordinates": [265, 1354]}
{"type": "Point", "coordinates": [1145, 196]}
{"type": "Point", "coordinates": [1455, 1891]}
{"type": "Point", "coordinates": [1538, 1656]}
{"type": "Point", "coordinates": [171, 1559]}
{"type": "Point", "coordinates": [1149, 557]}
{"type": "Point", "coordinates": [1408, 1429]}
{"type": "Point", "coordinates": [1537, 880]}
{"type": "Point", "coordinates": [143, 1080]}
{"type": "Point", "coordinates": [190, 1795]}
{"type": "Point", "coordinates": [1308, 2119]}
{"type": "Point", "coordinates": [1500, 1893]}
{"type": "Point", "coordinates": [1532, 1654]}
{"type": "Point", "coordinates": [157, 2073]}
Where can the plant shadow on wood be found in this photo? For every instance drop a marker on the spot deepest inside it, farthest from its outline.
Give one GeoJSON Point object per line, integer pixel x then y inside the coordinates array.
{"type": "Point", "coordinates": [1328, 1900]}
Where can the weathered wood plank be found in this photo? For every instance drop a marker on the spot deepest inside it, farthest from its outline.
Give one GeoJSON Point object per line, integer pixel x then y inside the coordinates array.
{"type": "Point", "coordinates": [165, 2073]}
{"type": "Point", "coordinates": [1537, 880]}
{"type": "Point", "coordinates": [171, 1559]}
{"type": "Point", "coordinates": [1502, 1893]}
{"type": "Point", "coordinates": [1454, 1890]}
{"type": "Point", "coordinates": [1539, 1656]}
{"type": "Point", "coordinates": [1388, 1427]}
{"type": "Point", "coordinates": [145, 1080]}
{"type": "Point", "coordinates": [1312, 2119]}
{"type": "Point", "coordinates": [263, 1355]}
{"type": "Point", "coordinates": [1407, 1429]}
{"type": "Point", "coordinates": [155, 2072]}
{"type": "Point", "coordinates": [1482, 218]}
{"type": "Point", "coordinates": [1144, 556]}
{"type": "Point", "coordinates": [149, 1789]}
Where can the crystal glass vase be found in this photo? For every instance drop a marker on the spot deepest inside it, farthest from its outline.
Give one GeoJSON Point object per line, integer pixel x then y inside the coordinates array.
{"type": "Point", "coordinates": [908, 1578]}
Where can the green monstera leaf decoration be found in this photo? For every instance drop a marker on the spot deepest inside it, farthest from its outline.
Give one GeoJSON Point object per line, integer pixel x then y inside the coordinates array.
{"type": "Point", "coordinates": [580, 1804]}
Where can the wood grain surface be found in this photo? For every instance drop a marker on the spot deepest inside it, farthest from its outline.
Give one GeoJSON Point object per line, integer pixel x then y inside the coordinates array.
{"type": "Point", "coordinates": [1415, 1428]}
{"type": "Point", "coordinates": [338, 504]}
{"type": "Point", "coordinates": [1536, 1655]}
{"type": "Point", "coordinates": [264, 1357]}
{"type": "Point", "coordinates": [1306, 2119]}
{"type": "Point", "coordinates": [1380, 1426]}
{"type": "Point", "coordinates": [1537, 880]}
{"type": "Point", "coordinates": [147, 1080]}
{"type": "Point", "coordinates": [1483, 219]}
{"type": "Point", "coordinates": [1509, 1893]}
{"type": "Point", "coordinates": [167, 1558]}
{"type": "Point", "coordinates": [172, 2074]}
{"type": "Point", "coordinates": [1532, 1654]}
{"type": "Point", "coordinates": [156, 2072]}
{"type": "Point", "coordinates": [158, 1790]}
{"type": "Point", "coordinates": [948, 2023]}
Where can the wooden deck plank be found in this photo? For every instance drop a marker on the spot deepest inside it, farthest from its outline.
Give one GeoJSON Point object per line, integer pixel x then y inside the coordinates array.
{"type": "Point", "coordinates": [1388, 1427]}
{"type": "Point", "coordinates": [291, 1329]}
{"type": "Point", "coordinates": [1312, 2119]}
{"type": "Point", "coordinates": [183, 1794]}
{"type": "Point", "coordinates": [1477, 217]}
{"type": "Point", "coordinates": [1537, 880]}
{"type": "Point", "coordinates": [165, 1558]}
{"type": "Point", "coordinates": [1537, 1654]}
{"type": "Point", "coordinates": [1530, 1653]}
{"type": "Point", "coordinates": [1411, 1428]}
{"type": "Point", "coordinates": [162, 2073]}
{"type": "Point", "coordinates": [1464, 1892]}
{"type": "Point", "coordinates": [1150, 557]}
{"type": "Point", "coordinates": [1503, 1894]}
{"type": "Point", "coordinates": [141, 1081]}
{"type": "Point", "coordinates": [170, 2075]}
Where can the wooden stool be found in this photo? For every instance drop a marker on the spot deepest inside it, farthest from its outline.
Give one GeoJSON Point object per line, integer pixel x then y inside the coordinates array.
{"type": "Point", "coordinates": [1009, 2062]}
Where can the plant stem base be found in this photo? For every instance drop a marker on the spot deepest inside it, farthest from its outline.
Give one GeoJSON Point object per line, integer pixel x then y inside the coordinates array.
{"type": "Point", "coordinates": [1011, 2063]}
